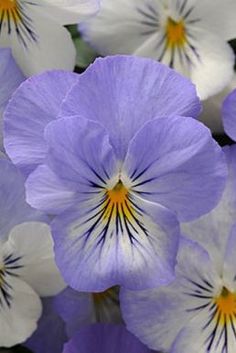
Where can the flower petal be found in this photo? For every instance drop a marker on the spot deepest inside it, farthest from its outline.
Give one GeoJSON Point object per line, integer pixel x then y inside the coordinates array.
{"type": "Point", "coordinates": [11, 77]}
{"type": "Point", "coordinates": [229, 114]}
{"type": "Point", "coordinates": [175, 162]}
{"type": "Point", "coordinates": [50, 335]}
{"type": "Point", "coordinates": [14, 209]}
{"type": "Point", "coordinates": [71, 11]}
{"type": "Point", "coordinates": [136, 249]}
{"type": "Point", "coordinates": [131, 91]}
{"type": "Point", "coordinates": [44, 51]}
{"type": "Point", "coordinates": [19, 320]}
{"type": "Point", "coordinates": [212, 230]}
{"type": "Point", "coordinates": [156, 316]}
{"type": "Point", "coordinates": [213, 68]}
{"type": "Point", "coordinates": [107, 337]}
{"type": "Point", "coordinates": [32, 242]}
{"type": "Point", "coordinates": [24, 127]}
{"type": "Point", "coordinates": [47, 192]}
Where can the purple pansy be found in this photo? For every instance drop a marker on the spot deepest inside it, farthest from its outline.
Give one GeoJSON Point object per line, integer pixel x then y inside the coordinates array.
{"type": "Point", "coordinates": [116, 167]}
{"type": "Point", "coordinates": [10, 78]}
{"type": "Point", "coordinates": [229, 115]}
{"type": "Point", "coordinates": [196, 313]}
{"type": "Point", "coordinates": [104, 338]}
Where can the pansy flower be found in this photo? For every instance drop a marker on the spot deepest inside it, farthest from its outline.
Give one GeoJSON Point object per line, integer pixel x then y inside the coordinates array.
{"type": "Point", "coordinates": [34, 31]}
{"type": "Point", "coordinates": [229, 115]}
{"type": "Point", "coordinates": [27, 267]}
{"type": "Point", "coordinates": [11, 77]}
{"type": "Point", "coordinates": [104, 338]}
{"type": "Point", "coordinates": [116, 167]}
{"type": "Point", "coordinates": [190, 36]}
{"type": "Point", "coordinates": [197, 312]}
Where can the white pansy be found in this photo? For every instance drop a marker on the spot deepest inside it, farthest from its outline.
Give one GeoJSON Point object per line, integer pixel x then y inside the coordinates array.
{"type": "Point", "coordinates": [34, 31]}
{"type": "Point", "coordinates": [190, 36]}
{"type": "Point", "coordinates": [27, 271]}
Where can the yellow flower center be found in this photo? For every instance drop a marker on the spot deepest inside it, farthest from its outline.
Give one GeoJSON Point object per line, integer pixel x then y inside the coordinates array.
{"type": "Point", "coordinates": [226, 306]}
{"type": "Point", "coordinates": [9, 10]}
{"type": "Point", "coordinates": [175, 33]}
{"type": "Point", "coordinates": [118, 203]}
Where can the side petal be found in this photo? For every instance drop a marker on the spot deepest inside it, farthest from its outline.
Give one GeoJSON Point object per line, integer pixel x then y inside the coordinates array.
{"type": "Point", "coordinates": [47, 192]}
{"type": "Point", "coordinates": [43, 51]}
{"type": "Point", "coordinates": [80, 153]}
{"type": "Point", "coordinates": [19, 320]}
{"type": "Point", "coordinates": [96, 250]}
{"type": "Point", "coordinates": [212, 68]}
{"type": "Point", "coordinates": [24, 127]}
{"type": "Point", "coordinates": [229, 115]}
{"type": "Point", "coordinates": [131, 91]}
{"type": "Point", "coordinates": [32, 243]}
{"type": "Point", "coordinates": [175, 162]}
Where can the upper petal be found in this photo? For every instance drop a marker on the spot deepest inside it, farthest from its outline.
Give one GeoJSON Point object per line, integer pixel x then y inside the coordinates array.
{"type": "Point", "coordinates": [68, 12]}
{"type": "Point", "coordinates": [131, 91]}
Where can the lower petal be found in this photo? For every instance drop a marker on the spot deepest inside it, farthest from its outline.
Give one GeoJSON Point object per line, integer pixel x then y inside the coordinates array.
{"type": "Point", "coordinates": [96, 249]}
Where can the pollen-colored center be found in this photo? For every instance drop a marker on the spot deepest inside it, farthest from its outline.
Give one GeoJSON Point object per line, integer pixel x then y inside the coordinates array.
{"type": "Point", "coordinates": [175, 33]}
{"type": "Point", "coordinates": [226, 306]}
{"type": "Point", "coordinates": [9, 10]}
{"type": "Point", "coordinates": [118, 202]}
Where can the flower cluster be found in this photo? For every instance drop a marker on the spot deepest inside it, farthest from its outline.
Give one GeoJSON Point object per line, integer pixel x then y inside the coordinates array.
{"type": "Point", "coordinates": [118, 206]}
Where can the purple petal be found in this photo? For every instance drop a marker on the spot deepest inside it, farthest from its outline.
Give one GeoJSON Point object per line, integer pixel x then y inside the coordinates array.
{"type": "Point", "coordinates": [11, 77]}
{"type": "Point", "coordinates": [14, 209]}
{"type": "Point", "coordinates": [229, 115]}
{"type": "Point", "coordinates": [175, 162]}
{"type": "Point", "coordinates": [50, 335]}
{"type": "Point", "coordinates": [124, 92]}
{"type": "Point", "coordinates": [106, 339]}
{"type": "Point", "coordinates": [32, 107]}
{"type": "Point", "coordinates": [95, 251]}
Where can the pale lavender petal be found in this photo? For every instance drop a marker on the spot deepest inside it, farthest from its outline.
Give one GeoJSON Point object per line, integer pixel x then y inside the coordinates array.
{"type": "Point", "coordinates": [175, 162]}
{"type": "Point", "coordinates": [229, 115]}
{"type": "Point", "coordinates": [35, 103]}
{"type": "Point", "coordinates": [131, 91]}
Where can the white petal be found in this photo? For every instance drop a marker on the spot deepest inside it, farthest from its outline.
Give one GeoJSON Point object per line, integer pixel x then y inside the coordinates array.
{"type": "Point", "coordinates": [71, 11]}
{"type": "Point", "coordinates": [19, 320]}
{"type": "Point", "coordinates": [211, 113]}
{"type": "Point", "coordinates": [32, 241]}
{"type": "Point", "coordinates": [218, 17]}
{"type": "Point", "coordinates": [213, 70]}
{"type": "Point", "coordinates": [120, 27]}
{"type": "Point", "coordinates": [52, 49]}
